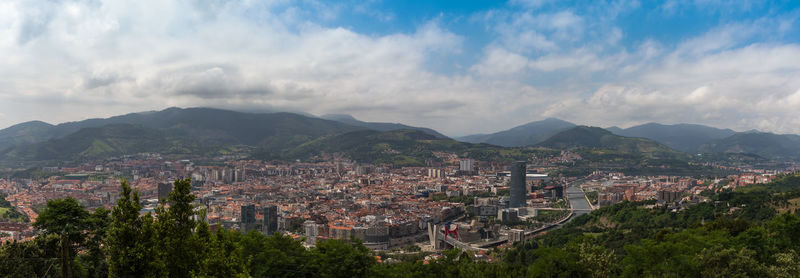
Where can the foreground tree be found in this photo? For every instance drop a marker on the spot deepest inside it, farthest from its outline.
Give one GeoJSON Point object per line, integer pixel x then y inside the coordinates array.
{"type": "Point", "coordinates": [130, 244]}
{"type": "Point", "coordinates": [274, 256]}
{"type": "Point", "coordinates": [177, 247]}
{"type": "Point", "coordinates": [35, 258]}
{"type": "Point", "coordinates": [337, 258]}
{"type": "Point", "coordinates": [94, 260]}
{"type": "Point", "coordinates": [68, 219]}
{"type": "Point", "coordinates": [222, 253]}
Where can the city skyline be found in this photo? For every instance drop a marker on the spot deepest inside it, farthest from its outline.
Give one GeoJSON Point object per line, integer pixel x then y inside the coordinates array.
{"type": "Point", "coordinates": [460, 69]}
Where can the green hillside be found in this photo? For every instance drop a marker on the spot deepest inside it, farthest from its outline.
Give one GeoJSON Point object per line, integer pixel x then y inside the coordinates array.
{"type": "Point", "coordinates": [682, 137]}
{"type": "Point", "coordinates": [768, 145]}
{"type": "Point", "coordinates": [208, 125]}
{"type": "Point", "coordinates": [401, 147]}
{"type": "Point", "coordinates": [524, 135]}
{"type": "Point", "coordinates": [24, 133]}
{"type": "Point", "coordinates": [348, 119]}
{"type": "Point", "coordinates": [101, 142]}
{"type": "Point", "coordinates": [196, 131]}
{"type": "Point", "coordinates": [584, 137]}
{"type": "Point", "coordinates": [9, 213]}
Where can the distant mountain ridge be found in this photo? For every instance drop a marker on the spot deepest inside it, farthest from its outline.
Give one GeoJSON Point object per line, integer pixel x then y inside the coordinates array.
{"type": "Point", "coordinates": [404, 147]}
{"type": "Point", "coordinates": [692, 138]}
{"type": "Point", "coordinates": [598, 138]}
{"type": "Point", "coordinates": [288, 135]}
{"type": "Point", "coordinates": [102, 142]}
{"type": "Point", "coordinates": [348, 119]}
{"type": "Point", "coordinates": [192, 128]}
{"type": "Point", "coordinates": [197, 131]}
{"type": "Point", "coordinates": [774, 146]}
{"type": "Point", "coordinates": [524, 135]}
{"type": "Point", "coordinates": [24, 133]}
{"type": "Point", "coordinates": [682, 137]}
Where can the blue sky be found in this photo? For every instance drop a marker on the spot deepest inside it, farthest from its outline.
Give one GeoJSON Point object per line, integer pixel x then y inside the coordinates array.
{"type": "Point", "coordinates": [460, 67]}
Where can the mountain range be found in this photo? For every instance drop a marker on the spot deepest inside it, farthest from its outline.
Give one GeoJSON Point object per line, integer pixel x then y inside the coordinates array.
{"type": "Point", "coordinates": [524, 135]}
{"type": "Point", "coordinates": [408, 147]}
{"type": "Point", "coordinates": [682, 137]}
{"type": "Point", "coordinates": [785, 147]}
{"type": "Point", "coordinates": [204, 131]}
{"type": "Point", "coordinates": [204, 125]}
{"type": "Point", "coordinates": [688, 138]}
{"type": "Point", "coordinates": [598, 138]}
{"type": "Point", "coordinates": [350, 120]}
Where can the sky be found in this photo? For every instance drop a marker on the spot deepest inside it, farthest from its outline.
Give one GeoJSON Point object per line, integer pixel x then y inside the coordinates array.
{"type": "Point", "coordinates": [460, 67]}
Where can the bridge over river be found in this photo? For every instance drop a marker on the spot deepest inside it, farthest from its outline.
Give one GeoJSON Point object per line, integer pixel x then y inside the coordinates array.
{"type": "Point", "coordinates": [579, 205]}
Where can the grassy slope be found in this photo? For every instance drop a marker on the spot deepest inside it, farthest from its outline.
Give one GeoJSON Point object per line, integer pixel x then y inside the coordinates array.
{"type": "Point", "coordinates": [401, 147]}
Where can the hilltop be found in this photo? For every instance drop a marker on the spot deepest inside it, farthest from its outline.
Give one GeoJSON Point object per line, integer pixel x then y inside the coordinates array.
{"type": "Point", "coordinates": [400, 147]}
{"type": "Point", "coordinates": [598, 138]}
{"type": "Point", "coordinates": [682, 137]}
{"type": "Point", "coordinates": [769, 145]}
{"type": "Point", "coordinates": [524, 135]}
{"type": "Point", "coordinates": [350, 120]}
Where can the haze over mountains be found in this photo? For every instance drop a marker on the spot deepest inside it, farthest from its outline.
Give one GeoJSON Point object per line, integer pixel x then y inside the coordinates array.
{"type": "Point", "coordinates": [199, 131]}
{"type": "Point", "coordinates": [524, 135]}
{"type": "Point", "coordinates": [769, 145]}
{"type": "Point", "coordinates": [348, 119]}
{"type": "Point", "coordinates": [202, 131]}
{"type": "Point", "coordinates": [689, 138]}
{"type": "Point", "coordinates": [682, 137]}
{"type": "Point", "coordinates": [598, 138]}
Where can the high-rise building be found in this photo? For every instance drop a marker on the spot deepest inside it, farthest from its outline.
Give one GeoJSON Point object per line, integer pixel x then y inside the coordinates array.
{"type": "Point", "coordinates": [664, 196]}
{"type": "Point", "coordinates": [311, 231]}
{"type": "Point", "coordinates": [247, 219]}
{"type": "Point", "coordinates": [518, 190]}
{"type": "Point", "coordinates": [270, 225]}
{"type": "Point", "coordinates": [516, 235]}
{"type": "Point", "coordinates": [238, 175]}
{"type": "Point", "coordinates": [164, 189]}
{"type": "Point", "coordinates": [466, 165]}
{"type": "Point", "coordinates": [227, 175]}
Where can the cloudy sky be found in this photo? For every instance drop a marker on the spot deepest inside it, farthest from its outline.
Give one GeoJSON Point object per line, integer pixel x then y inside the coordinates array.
{"type": "Point", "coordinates": [459, 68]}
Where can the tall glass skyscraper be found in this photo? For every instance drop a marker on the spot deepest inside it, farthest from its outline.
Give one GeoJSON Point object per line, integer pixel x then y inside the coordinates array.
{"type": "Point", "coordinates": [518, 190]}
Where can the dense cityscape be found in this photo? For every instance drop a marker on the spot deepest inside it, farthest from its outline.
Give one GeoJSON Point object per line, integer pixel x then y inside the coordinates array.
{"type": "Point", "coordinates": [383, 206]}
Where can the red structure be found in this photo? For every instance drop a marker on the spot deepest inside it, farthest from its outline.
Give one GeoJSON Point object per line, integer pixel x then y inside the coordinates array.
{"type": "Point", "coordinates": [447, 231]}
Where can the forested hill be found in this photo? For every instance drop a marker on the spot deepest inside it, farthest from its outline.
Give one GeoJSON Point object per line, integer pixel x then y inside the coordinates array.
{"type": "Point", "coordinates": [598, 138]}
{"type": "Point", "coordinates": [752, 232]}
{"type": "Point", "coordinates": [401, 148]}
{"type": "Point", "coordinates": [196, 131]}
{"type": "Point", "coordinates": [782, 147]}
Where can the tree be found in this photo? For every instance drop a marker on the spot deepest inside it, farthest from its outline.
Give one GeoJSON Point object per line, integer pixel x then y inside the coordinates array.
{"type": "Point", "coordinates": [129, 243]}
{"type": "Point", "coordinates": [222, 256]}
{"type": "Point", "coordinates": [338, 258]}
{"type": "Point", "coordinates": [785, 265]}
{"type": "Point", "coordinates": [597, 259]}
{"type": "Point", "coordinates": [177, 256]}
{"type": "Point", "coordinates": [274, 256]}
{"type": "Point", "coordinates": [35, 258]}
{"type": "Point", "coordinates": [728, 262]}
{"type": "Point", "coordinates": [555, 262]}
{"type": "Point", "coordinates": [68, 219]}
{"type": "Point", "coordinates": [95, 259]}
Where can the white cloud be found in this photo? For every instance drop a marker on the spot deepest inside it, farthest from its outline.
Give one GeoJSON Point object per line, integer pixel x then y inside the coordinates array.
{"type": "Point", "coordinates": [501, 62]}
{"type": "Point", "coordinates": [130, 58]}
{"type": "Point", "coordinates": [69, 60]}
